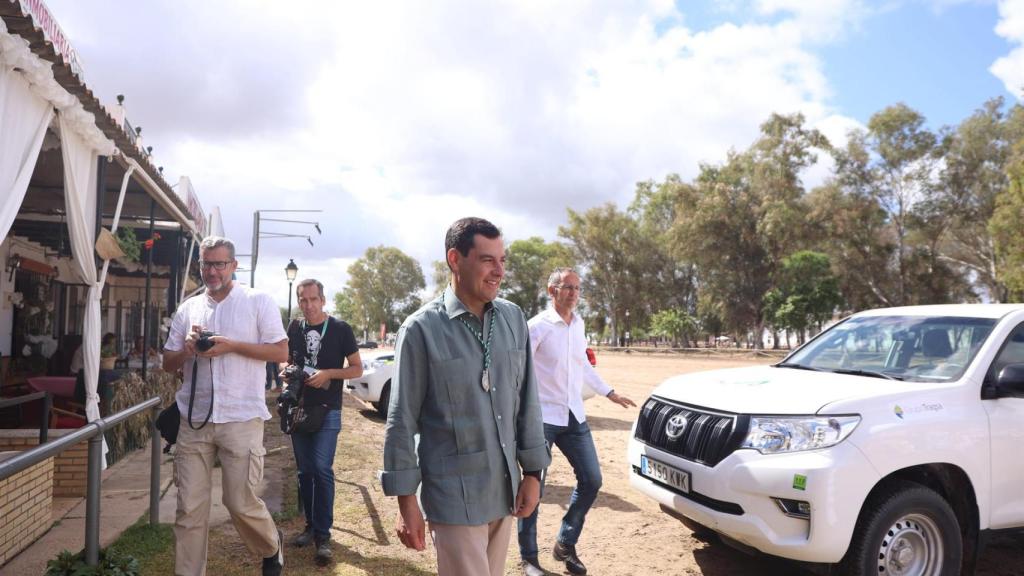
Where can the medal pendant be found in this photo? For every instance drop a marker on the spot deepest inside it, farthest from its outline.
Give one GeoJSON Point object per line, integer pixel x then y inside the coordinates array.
{"type": "Point", "coordinates": [485, 381]}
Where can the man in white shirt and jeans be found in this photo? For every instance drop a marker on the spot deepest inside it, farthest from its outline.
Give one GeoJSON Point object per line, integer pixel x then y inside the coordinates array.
{"type": "Point", "coordinates": [561, 367]}
{"type": "Point", "coordinates": [230, 378]}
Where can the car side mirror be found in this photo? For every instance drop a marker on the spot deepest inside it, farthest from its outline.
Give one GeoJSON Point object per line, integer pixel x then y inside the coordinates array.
{"type": "Point", "coordinates": [1010, 381]}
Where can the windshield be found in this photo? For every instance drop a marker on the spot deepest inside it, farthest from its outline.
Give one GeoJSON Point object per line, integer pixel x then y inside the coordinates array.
{"type": "Point", "coordinates": [915, 348]}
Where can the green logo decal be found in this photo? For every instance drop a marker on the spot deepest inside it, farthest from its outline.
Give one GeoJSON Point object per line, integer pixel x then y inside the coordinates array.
{"type": "Point", "coordinates": [799, 481]}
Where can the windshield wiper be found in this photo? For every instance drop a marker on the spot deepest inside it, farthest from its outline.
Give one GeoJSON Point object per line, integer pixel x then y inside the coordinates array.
{"type": "Point", "coordinates": [871, 373]}
{"type": "Point", "coordinates": [796, 366]}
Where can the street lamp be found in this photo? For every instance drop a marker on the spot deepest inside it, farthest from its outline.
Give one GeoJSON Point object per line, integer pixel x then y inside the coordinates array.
{"type": "Point", "coordinates": [291, 271]}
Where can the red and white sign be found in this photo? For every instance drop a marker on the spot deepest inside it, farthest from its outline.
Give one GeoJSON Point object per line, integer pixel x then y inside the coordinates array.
{"type": "Point", "coordinates": [52, 31]}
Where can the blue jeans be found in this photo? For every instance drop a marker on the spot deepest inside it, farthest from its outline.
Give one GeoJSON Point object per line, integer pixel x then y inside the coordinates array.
{"type": "Point", "coordinates": [577, 444]}
{"type": "Point", "coordinates": [314, 456]}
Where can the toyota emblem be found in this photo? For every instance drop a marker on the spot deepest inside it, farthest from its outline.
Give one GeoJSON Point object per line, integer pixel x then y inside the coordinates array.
{"type": "Point", "coordinates": [675, 427]}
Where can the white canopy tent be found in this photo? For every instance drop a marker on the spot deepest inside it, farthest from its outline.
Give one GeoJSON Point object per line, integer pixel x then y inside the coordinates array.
{"type": "Point", "coordinates": [29, 93]}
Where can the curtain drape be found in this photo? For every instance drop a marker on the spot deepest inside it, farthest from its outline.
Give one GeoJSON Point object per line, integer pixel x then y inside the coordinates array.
{"type": "Point", "coordinates": [24, 117]}
{"type": "Point", "coordinates": [80, 203]}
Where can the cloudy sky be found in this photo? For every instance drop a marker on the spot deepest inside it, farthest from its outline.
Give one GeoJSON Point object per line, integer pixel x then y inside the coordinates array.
{"type": "Point", "coordinates": [395, 118]}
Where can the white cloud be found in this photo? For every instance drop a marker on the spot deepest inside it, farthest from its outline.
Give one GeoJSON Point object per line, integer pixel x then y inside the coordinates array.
{"type": "Point", "coordinates": [820, 20]}
{"type": "Point", "coordinates": [1010, 68]}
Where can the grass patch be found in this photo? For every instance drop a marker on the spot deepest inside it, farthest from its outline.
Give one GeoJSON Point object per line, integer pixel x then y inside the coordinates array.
{"type": "Point", "coordinates": [152, 546]}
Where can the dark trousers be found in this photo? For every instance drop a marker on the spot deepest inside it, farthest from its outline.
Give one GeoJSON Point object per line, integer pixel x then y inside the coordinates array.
{"type": "Point", "coordinates": [577, 444]}
{"type": "Point", "coordinates": [314, 457]}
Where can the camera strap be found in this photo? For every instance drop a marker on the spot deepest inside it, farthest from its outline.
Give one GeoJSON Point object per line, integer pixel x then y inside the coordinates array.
{"type": "Point", "coordinates": [192, 394]}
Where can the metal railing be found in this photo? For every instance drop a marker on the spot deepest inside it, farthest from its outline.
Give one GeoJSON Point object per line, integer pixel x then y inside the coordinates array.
{"type": "Point", "coordinates": [44, 420]}
{"type": "Point", "coordinates": [93, 432]}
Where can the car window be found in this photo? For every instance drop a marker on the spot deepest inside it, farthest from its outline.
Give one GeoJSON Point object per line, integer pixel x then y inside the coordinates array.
{"type": "Point", "coordinates": [916, 348]}
{"type": "Point", "coordinates": [1012, 352]}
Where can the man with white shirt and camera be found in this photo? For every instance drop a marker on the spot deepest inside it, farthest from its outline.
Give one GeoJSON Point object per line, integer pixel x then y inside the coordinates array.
{"type": "Point", "coordinates": [222, 339]}
{"type": "Point", "coordinates": [562, 368]}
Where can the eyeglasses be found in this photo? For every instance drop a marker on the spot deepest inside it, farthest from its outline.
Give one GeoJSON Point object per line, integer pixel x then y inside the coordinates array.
{"type": "Point", "coordinates": [215, 264]}
{"type": "Point", "coordinates": [570, 287]}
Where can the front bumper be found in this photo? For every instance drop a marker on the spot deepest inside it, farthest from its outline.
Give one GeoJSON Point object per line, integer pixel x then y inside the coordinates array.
{"type": "Point", "coordinates": [367, 387]}
{"type": "Point", "coordinates": [735, 497]}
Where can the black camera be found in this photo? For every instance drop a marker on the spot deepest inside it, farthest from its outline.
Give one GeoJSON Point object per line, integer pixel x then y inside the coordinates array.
{"type": "Point", "coordinates": [295, 377]}
{"type": "Point", "coordinates": [205, 341]}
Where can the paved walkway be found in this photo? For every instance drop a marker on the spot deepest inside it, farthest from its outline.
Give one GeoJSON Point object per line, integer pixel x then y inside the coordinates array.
{"type": "Point", "coordinates": [124, 498]}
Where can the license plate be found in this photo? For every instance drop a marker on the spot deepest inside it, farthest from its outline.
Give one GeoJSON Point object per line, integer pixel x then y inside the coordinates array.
{"type": "Point", "coordinates": [678, 479]}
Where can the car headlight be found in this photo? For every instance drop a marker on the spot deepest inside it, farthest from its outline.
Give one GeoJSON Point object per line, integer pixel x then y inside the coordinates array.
{"type": "Point", "coordinates": [776, 434]}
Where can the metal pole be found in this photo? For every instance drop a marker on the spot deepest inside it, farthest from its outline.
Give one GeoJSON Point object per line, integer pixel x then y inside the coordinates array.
{"type": "Point", "coordinates": [289, 319]}
{"type": "Point", "coordinates": [154, 470]}
{"type": "Point", "coordinates": [44, 426]}
{"type": "Point", "coordinates": [92, 500]}
{"type": "Point", "coordinates": [255, 248]}
{"type": "Point", "coordinates": [172, 282]}
{"type": "Point", "coordinates": [101, 189]}
{"type": "Point", "coordinates": [147, 312]}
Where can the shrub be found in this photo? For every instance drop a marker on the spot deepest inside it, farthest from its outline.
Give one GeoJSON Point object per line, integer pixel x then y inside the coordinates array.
{"type": "Point", "coordinates": [111, 563]}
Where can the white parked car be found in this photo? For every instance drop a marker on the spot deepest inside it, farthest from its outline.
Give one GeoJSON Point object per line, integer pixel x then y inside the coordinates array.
{"type": "Point", "coordinates": [889, 444]}
{"type": "Point", "coordinates": [374, 386]}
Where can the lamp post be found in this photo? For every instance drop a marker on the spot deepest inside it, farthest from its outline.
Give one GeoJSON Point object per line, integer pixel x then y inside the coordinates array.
{"type": "Point", "coordinates": [291, 270]}
{"type": "Point", "coordinates": [627, 328]}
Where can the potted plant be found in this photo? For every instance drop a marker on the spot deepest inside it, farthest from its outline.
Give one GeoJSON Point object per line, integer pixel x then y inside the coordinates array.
{"type": "Point", "coordinates": [129, 244]}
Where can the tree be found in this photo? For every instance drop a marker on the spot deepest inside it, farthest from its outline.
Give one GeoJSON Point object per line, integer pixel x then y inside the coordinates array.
{"type": "Point", "coordinates": [807, 293]}
{"type": "Point", "coordinates": [440, 276]}
{"type": "Point", "coordinates": [853, 230]}
{"type": "Point", "coordinates": [670, 279]}
{"type": "Point", "coordinates": [528, 264]}
{"type": "Point", "coordinates": [976, 173]}
{"type": "Point", "coordinates": [675, 324]}
{"type": "Point", "coordinates": [901, 170]}
{"type": "Point", "coordinates": [1005, 228]}
{"type": "Point", "coordinates": [612, 253]}
{"type": "Point", "coordinates": [346, 307]}
{"type": "Point", "coordinates": [384, 282]}
{"type": "Point", "coordinates": [741, 218]}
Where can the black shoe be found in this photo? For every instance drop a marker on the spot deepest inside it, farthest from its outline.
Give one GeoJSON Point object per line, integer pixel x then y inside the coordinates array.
{"type": "Point", "coordinates": [566, 553]}
{"type": "Point", "coordinates": [303, 539]}
{"type": "Point", "coordinates": [531, 567]}
{"type": "Point", "coordinates": [323, 551]}
{"type": "Point", "coordinates": [273, 565]}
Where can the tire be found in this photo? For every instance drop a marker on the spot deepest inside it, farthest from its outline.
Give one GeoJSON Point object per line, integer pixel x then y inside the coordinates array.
{"type": "Point", "coordinates": [385, 400]}
{"type": "Point", "coordinates": [908, 531]}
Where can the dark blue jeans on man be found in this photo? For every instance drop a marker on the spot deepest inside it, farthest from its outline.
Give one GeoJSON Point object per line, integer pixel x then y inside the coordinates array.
{"type": "Point", "coordinates": [577, 444]}
{"type": "Point", "coordinates": [314, 456]}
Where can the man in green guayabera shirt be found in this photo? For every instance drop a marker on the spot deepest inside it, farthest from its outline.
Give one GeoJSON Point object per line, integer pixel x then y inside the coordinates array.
{"type": "Point", "coordinates": [464, 426]}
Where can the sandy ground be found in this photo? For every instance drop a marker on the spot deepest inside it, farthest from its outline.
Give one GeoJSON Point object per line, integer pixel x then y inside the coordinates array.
{"type": "Point", "coordinates": [625, 533]}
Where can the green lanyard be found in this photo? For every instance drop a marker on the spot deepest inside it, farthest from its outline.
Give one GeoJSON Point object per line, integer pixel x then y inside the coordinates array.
{"type": "Point", "coordinates": [323, 332]}
{"type": "Point", "coordinates": [485, 380]}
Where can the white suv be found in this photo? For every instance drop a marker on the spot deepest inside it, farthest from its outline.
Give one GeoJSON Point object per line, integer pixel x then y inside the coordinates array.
{"type": "Point", "coordinates": [889, 444]}
{"type": "Point", "coordinates": [374, 386]}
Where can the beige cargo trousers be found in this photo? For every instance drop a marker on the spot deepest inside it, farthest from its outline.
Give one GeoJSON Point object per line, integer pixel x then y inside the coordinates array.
{"type": "Point", "coordinates": [239, 446]}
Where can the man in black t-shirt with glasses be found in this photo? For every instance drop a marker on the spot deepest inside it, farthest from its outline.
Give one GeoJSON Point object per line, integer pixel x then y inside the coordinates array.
{"type": "Point", "coordinates": [324, 343]}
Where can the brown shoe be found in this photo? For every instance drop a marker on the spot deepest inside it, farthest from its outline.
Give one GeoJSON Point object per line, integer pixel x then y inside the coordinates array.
{"type": "Point", "coordinates": [567, 553]}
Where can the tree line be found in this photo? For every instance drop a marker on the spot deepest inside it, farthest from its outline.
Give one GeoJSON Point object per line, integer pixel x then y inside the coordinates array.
{"type": "Point", "coordinates": [905, 216]}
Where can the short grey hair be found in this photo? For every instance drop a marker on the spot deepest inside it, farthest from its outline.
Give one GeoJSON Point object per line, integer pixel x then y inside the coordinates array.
{"type": "Point", "coordinates": [310, 282]}
{"type": "Point", "coordinates": [557, 274]}
{"type": "Point", "coordinates": [211, 242]}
